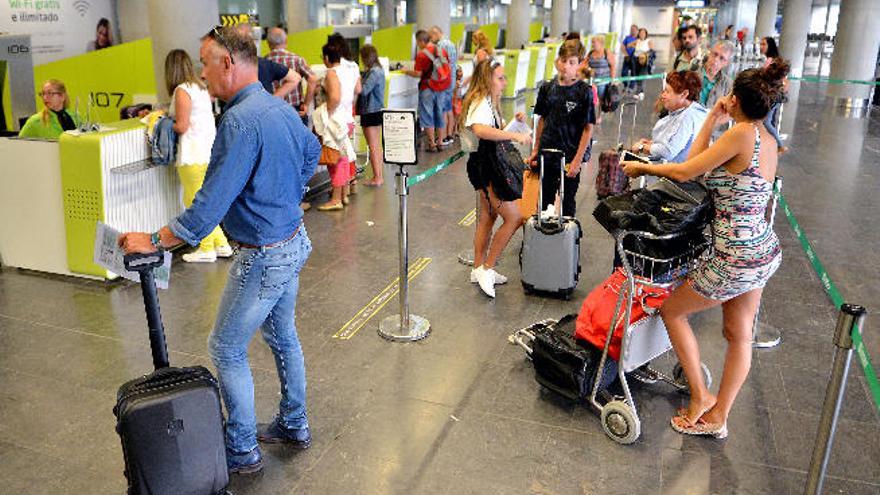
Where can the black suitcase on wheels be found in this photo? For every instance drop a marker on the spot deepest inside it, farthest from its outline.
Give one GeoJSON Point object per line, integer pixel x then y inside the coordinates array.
{"type": "Point", "coordinates": [170, 421]}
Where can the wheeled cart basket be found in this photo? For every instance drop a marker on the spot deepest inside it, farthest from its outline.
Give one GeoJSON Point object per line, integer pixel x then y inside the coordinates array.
{"type": "Point", "coordinates": [642, 341]}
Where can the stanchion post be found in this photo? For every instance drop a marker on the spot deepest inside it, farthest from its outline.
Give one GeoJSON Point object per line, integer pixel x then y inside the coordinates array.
{"type": "Point", "coordinates": [765, 336]}
{"type": "Point", "coordinates": [403, 327]}
{"type": "Point", "coordinates": [399, 130]}
{"type": "Point", "coordinates": [403, 243]}
{"type": "Point", "coordinates": [851, 317]}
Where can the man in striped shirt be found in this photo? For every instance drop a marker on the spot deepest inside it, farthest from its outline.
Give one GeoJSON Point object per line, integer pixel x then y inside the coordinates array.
{"type": "Point", "coordinates": [277, 39]}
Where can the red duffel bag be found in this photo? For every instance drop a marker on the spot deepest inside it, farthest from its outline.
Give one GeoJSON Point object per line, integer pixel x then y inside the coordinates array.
{"type": "Point", "coordinates": [594, 319]}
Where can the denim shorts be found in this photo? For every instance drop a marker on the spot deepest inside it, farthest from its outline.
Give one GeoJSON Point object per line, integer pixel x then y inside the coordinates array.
{"type": "Point", "coordinates": [431, 109]}
{"type": "Point", "coordinates": [447, 99]}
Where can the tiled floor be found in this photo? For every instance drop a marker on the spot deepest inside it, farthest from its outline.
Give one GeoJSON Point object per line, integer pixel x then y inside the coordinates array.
{"type": "Point", "coordinates": [461, 412]}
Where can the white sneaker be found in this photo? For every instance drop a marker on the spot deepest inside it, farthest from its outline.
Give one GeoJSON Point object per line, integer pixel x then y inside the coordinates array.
{"type": "Point", "coordinates": [486, 279]}
{"type": "Point", "coordinates": [499, 278]}
{"type": "Point", "coordinates": [224, 251]}
{"type": "Point", "coordinates": [200, 257]}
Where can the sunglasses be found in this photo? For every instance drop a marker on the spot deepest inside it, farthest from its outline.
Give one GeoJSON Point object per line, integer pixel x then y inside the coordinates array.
{"type": "Point", "coordinates": [215, 33]}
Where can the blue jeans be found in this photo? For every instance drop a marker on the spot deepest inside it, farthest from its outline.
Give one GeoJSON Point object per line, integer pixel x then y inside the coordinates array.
{"type": "Point", "coordinates": [627, 69]}
{"type": "Point", "coordinates": [431, 109]}
{"type": "Point", "coordinates": [260, 292]}
{"type": "Point", "coordinates": [772, 124]}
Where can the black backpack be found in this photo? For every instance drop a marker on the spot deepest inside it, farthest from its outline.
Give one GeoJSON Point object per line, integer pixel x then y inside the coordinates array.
{"type": "Point", "coordinates": [611, 99]}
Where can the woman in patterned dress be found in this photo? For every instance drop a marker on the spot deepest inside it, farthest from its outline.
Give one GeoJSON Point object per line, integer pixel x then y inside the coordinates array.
{"type": "Point", "coordinates": [739, 170]}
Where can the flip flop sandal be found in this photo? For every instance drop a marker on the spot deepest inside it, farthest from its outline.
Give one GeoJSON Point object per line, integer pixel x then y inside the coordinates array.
{"type": "Point", "coordinates": [700, 428]}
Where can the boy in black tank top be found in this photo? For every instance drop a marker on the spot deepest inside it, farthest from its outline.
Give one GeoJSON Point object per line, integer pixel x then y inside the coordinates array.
{"type": "Point", "coordinates": [565, 105]}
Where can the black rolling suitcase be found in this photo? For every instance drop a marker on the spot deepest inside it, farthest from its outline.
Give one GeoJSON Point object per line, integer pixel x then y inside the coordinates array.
{"type": "Point", "coordinates": [170, 421]}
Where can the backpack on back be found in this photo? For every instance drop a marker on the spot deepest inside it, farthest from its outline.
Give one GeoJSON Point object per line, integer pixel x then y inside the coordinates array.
{"type": "Point", "coordinates": [441, 73]}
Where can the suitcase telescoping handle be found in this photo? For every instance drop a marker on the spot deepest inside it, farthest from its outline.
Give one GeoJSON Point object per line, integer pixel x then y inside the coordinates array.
{"type": "Point", "coordinates": [632, 130]}
{"type": "Point", "coordinates": [541, 154]}
{"type": "Point", "coordinates": [144, 264]}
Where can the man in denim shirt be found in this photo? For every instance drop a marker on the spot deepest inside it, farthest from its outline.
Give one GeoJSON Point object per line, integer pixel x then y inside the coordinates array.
{"type": "Point", "coordinates": [261, 160]}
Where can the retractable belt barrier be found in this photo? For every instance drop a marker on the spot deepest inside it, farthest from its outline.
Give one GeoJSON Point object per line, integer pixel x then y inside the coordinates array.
{"type": "Point", "coordinates": [829, 80]}
{"type": "Point", "coordinates": [605, 80]}
{"type": "Point", "coordinates": [422, 177]}
{"type": "Point", "coordinates": [837, 299]}
{"type": "Point", "coordinates": [847, 338]}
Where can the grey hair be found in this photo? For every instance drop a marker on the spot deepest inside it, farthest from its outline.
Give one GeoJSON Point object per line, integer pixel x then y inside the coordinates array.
{"type": "Point", "coordinates": [275, 37]}
{"type": "Point", "coordinates": [725, 45]}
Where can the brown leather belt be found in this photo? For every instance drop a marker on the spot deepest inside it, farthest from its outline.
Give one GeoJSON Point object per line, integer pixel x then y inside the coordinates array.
{"type": "Point", "coordinates": [269, 246]}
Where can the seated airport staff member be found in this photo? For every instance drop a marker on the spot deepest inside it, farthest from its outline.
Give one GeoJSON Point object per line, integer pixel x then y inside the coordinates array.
{"type": "Point", "coordinates": [55, 118]}
{"type": "Point", "coordinates": [262, 157]}
{"type": "Point", "coordinates": [673, 135]}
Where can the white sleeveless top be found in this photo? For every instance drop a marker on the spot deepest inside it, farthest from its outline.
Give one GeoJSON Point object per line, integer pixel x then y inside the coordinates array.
{"type": "Point", "coordinates": [348, 74]}
{"type": "Point", "coordinates": [194, 146]}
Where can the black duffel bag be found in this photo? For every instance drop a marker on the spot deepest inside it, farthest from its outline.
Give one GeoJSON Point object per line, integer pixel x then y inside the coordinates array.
{"type": "Point", "coordinates": [664, 207]}
{"type": "Point", "coordinates": [567, 365]}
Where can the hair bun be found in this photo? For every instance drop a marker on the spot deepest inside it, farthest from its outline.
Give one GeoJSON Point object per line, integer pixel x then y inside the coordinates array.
{"type": "Point", "coordinates": [776, 71]}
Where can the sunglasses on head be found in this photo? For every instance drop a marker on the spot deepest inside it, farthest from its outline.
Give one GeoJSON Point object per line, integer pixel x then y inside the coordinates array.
{"type": "Point", "coordinates": [215, 34]}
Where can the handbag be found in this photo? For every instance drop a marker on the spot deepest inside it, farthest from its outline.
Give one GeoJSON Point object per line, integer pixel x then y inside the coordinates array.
{"type": "Point", "coordinates": [507, 171]}
{"type": "Point", "coordinates": [329, 156]}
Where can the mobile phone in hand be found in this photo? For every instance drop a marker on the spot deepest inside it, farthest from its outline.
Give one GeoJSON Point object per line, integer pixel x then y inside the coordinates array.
{"type": "Point", "coordinates": [629, 156]}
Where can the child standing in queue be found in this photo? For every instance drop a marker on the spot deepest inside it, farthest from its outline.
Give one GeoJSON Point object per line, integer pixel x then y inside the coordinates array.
{"type": "Point", "coordinates": [568, 114]}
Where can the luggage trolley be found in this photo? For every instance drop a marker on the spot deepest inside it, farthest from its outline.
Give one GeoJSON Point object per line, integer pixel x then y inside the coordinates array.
{"type": "Point", "coordinates": [642, 341]}
{"type": "Point", "coordinates": [646, 339]}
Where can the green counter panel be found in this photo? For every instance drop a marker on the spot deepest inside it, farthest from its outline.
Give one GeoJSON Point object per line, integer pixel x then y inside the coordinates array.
{"type": "Point", "coordinates": [395, 43]}
{"type": "Point", "coordinates": [6, 95]}
{"type": "Point", "coordinates": [82, 187]}
{"type": "Point", "coordinates": [492, 31]}
{"type": "Point", "coordinates": [511, 63]}
{"type": "Point", "coordinates": [110, 77]}
{"type": "Point", "coordinates": [533, 77]}
{"type": "Point", "coordinates": [536, 29]}
{"type": "Point", "coordinates": [456, 33]}
{"type": "Point", "coordinates": [550, 67]}
{"type": "Point", "coordinates": [307, 44]}
{"type": "Point", "coordinates": [81, 183]}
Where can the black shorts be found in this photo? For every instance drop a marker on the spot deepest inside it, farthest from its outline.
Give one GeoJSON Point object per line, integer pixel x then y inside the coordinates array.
{"type": "Point", "coordinates": [371, 119]}
{"type": "Point", "coordinates": [481, 175]}
{"type": "Point", "coordinates": [475, 172]}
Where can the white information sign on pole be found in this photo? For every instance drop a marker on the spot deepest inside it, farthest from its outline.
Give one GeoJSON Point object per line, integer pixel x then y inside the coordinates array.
{"type": "Point", "coordinates": [399, 128]}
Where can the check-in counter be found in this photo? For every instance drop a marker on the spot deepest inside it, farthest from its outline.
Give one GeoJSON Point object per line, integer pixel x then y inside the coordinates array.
{"type": "Point", "coordinates": [537, 64]}
{"type": "Point", "coordinates": [549, 66]}
{"type": "Point", "coordinates": [516, 69]}
{"type": "Point", "coordinates": [466, 63]}
{"type": "Point", "coordinates": [32, 232]}
{"type": "Point", "coordinates": [54, 193]}
{"type": "Point", "coordinates": [401, 90]}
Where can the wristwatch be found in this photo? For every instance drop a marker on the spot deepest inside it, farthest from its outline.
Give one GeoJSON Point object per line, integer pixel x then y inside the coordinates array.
{"type": "Point", "coordinates": [156, 240]}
